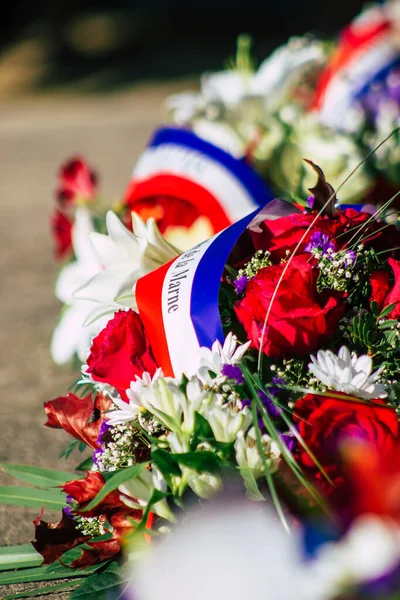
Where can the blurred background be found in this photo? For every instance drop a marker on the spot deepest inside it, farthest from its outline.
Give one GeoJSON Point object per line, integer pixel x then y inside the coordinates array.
{"type": "Point", "coordinates": [101, 45]}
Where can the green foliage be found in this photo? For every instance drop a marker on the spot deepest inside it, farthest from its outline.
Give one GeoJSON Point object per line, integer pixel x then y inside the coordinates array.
{"type": "Point", "coordinates": [20, 556]}
{"type": "Point", "coordinates": [38, 476]}
{"type": "Point", "coordinates": [100, 585]}
{"type": "Point", "coordinates": [113, 480]}
{"type": "Point", "coordinates": [32, 498]}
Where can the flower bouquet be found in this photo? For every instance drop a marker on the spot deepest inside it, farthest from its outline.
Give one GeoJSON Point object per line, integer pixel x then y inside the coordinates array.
{"type": "Point", "coordinates": [336, 98]}
{"type": "Point", "coordinates": [264, 358]}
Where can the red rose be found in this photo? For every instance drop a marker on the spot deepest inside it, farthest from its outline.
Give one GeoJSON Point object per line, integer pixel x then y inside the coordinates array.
{"type": "Point", "coordinates": [120, 352]}
{"type": "Point", "coordinates": [300, 319]}
{"type": "Point", "coordinates": [76, 180]}
{"type": "Point", "coordinates": [61, 230]}
{"type": "Point", "coordinates": [285, 233]}
{"type": "Point", "coordinates": [326, 424]}
{"type": "Point", "coordinates": [381, 292]}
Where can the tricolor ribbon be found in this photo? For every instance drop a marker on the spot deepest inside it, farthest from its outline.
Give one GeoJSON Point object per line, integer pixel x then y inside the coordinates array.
{"type": "Point", "coordinates": [179, 164]}
{"type": "Point", "coordinates": [178, 303]}
{"type": "Point", "coordinates": [367, 51]}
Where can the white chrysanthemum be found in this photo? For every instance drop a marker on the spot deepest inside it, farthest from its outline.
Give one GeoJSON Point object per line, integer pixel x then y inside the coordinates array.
{"type": "Point", "coordinates": [213, 360]}
{"type": "Point", "coordinates": [127, 411]}
{"type": "Point", "coordinates": [124, 257]}
{"type": "Point", "coordinates": [347, 373]}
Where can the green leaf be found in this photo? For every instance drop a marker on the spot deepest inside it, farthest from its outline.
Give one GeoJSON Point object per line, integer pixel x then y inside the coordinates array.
{"type": "Point", "coordinates": [43, 574]}
{"type": "Point", "coordinates": [251, 483]}
{"type": "Point", "coordinates": [166, 462]}
{"type": "Point", "coordinates": [99, 585]}
{"type": "Point", "coordinates": [388, 324]}
{"type": "Point", "coordinates": [37, 476]}
{"type": "Point", "coordinates": [114, 481]}
{"type": "Point", "coordinates": [85, 465]}
{"type": "Point", "coordinates": [16, 557]}
{"type": "Point", "coordinates": [202, 431]}
{"type": "Point", "coordinates": [374, 308]}
{"type": "Point", "coordinates": [32, 498]}
{"type": "Point", "coordinates": [199, 461]}
{"type": "Point", "coordinates": [386, 311]}
{"type": "Point", "coordinates": [42, 591]}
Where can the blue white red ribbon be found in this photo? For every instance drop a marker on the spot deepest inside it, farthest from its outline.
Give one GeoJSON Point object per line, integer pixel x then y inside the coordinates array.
{"type": "Point", "coordinates": [178, 303]}
{"type": "Point", "coordinates": [179, 164]}
{"type": "Point", "coordinates": [367, 51]}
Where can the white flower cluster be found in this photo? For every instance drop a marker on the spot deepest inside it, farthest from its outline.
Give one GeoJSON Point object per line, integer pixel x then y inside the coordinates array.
{"type": "Point", "coordinates": [348, 373]}
{"type": "Point", "coordinates": [175, 411]}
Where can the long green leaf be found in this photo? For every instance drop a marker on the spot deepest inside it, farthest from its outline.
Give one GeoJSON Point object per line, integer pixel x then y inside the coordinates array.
{"type": "Point", "coordinates": [41, 574]}
{"type": "Point", "coordinates": [114, 481]}
{"type": "Point", "coordinates": [32, 498]}
{"type": "Point", "coordinates": [99, 586]}
{"type": "Point", "coordinates": [37, 476]}
{"type": "Point", "coordinates": [43, 591]}
{"type": "Point", "coordinates": [17, 557]}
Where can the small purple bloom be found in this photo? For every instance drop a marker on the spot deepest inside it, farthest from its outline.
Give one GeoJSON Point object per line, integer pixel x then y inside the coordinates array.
{"type": "Point", "coordinates": [320, 241]}
{"type": "Point", "coordinates": [289, 440]}
{"type": "Point", "coordinates": [104, 427]}
{"type": "Point", "coordinates": [269, 405]}
{"type": "Point", "coordinates": [233, 372]}
{"type": "Point", "coordinates": [310, 201]}
{"type": "Point", "coordinates": [240, 284]}
{"type": "Point", "coordinates": [67, 511]}
{"type": "Point", "coordinates": [351, 257]}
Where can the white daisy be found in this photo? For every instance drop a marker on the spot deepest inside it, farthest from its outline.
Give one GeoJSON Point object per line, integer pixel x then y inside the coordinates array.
{"type": "Point", "coordinates": [228, 354]}
{"type": "Point", "coordinates": [348, 373]}
{"type": "Point", "coordinates": [127, 411]}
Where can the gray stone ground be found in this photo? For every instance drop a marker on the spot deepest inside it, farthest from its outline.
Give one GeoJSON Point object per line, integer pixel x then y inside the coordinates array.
{"type": "Point", "coordinates": [36, 135]}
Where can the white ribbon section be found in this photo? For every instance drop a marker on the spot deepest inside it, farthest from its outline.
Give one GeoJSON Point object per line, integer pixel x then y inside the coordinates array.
{"type": "Point", "coordinates": [183, 162]}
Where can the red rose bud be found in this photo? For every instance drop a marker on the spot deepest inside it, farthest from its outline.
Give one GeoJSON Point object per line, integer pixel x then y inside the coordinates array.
{"type": "Point", "coordinates": [120, 352]}
{"type": "Point", "coordinates": [327, 424]}
{"type": "Point", "coordinates": [300, 319]}
{"type": "Point", "coordinates": [76, 181]}
{"type": "Point", "coordinates": [61, 231]}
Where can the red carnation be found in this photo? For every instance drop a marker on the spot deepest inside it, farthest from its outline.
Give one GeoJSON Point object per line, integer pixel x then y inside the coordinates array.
{"type": "Point", "coordinates": [61, 230]}
{"type": "Point", "coordinates": [120, 352]}
{"type": "Point", "coordinates": [76, 181]}
{"type": "Point", "coordinates": [326, 424]}
{"type": "Point", "coordinates": [300, 319]}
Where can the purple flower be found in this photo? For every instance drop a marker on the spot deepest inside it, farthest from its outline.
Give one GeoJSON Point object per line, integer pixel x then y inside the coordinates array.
{"type": "Point", "coordinates": [104, 427]}
{"type": "Point", "coordinates": [240, 284]}
{"type": "Point", "coordinates": [233, 372]}
{"type": "Point", "coordinates": [310, 201]}
{"type": "Point", "coordinates": [320, 241]}
{"type": "Point", "coordinates": [289, 440]}
{"type": "Point", "coordinates": [351, 257]}
{"type": "Point", "coordinates": [269, 405]}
